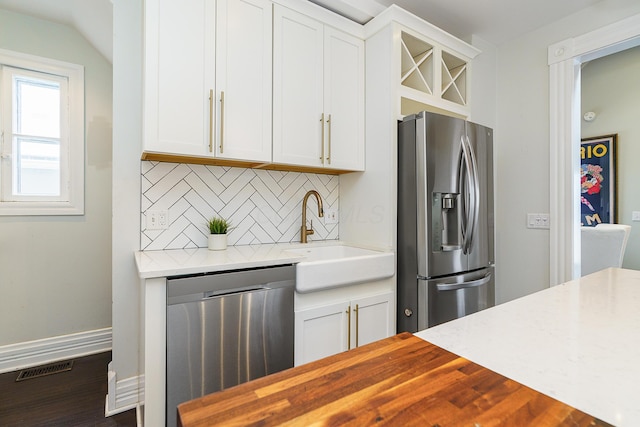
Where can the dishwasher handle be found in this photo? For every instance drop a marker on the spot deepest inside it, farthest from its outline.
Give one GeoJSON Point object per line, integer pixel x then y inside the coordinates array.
{"type": "Point", "coordinates": [229, 281]}
{"type": "Point", "coordinates": [227, 292]}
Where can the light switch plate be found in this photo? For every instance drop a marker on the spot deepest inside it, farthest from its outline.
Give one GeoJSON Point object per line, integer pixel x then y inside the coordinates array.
{"type": "Point", "coordinates": [538, 220]}
{"type": "Point", "coordinates": [635, 216]}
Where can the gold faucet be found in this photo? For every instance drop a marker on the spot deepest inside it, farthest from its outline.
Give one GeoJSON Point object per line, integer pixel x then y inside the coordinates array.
{"type": "Point", "coordinates": [304, 231]}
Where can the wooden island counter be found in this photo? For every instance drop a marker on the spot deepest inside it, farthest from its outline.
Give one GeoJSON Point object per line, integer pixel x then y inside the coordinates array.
{"type": "Point", "coordinates": [402, 380]}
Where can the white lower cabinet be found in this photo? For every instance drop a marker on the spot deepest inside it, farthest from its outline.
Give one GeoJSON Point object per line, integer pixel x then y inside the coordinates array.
{"type": "Point", "coordinates": [329, 329]}
{"type": "Point", "coordinates": [374, 318]}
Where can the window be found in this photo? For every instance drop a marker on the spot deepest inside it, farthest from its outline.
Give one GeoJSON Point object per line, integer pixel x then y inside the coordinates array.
{"type": "Point", "coordinates": [42, 136]}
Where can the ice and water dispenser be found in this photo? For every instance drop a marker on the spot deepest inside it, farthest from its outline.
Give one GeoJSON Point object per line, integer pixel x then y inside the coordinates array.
{"type": "Point", "coordinates": [445, 222]}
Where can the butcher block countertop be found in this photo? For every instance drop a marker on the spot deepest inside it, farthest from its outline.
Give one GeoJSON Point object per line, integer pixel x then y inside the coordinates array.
{"type": "Point", "coordinates": [400, 381]}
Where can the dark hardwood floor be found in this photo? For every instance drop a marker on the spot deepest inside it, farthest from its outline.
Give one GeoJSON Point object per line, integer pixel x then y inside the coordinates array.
{"type": "Point", "coordinates": [72, 398]}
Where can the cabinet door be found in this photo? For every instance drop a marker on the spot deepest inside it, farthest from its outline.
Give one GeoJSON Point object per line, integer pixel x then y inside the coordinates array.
{"type": "Point", "coordinates": [297, 89]}
{"type": "Point", "coordinates": [344, 100]}
{"type": "Point", "coordinates": [243, 79]}
{"type": "Point", "coordinates": [374, 319]}
{"type": "Point", "coordinates": [454, 79]}
{"type": "Point", "coordinates": [320, 332]}
{"type": "Point", "coordinates": [179, 73]}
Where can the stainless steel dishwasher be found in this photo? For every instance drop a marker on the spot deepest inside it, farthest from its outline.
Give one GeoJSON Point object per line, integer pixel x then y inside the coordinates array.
{"type": "Point", "coordinates": [226, 328]}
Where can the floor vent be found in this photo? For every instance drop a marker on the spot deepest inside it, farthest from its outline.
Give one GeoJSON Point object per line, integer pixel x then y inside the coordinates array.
{"type": "Point", "coordinates": [41, 371]}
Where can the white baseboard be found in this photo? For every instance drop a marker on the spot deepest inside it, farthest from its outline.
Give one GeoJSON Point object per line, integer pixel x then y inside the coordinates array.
{"type": "Point", "coordinates": [39, 352]}
{"type": "Point", "coordinates": [123, 394]}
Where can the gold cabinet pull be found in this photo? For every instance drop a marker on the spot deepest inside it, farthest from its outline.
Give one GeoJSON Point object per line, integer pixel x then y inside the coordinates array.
{"type": "Point", "coordinates": [210, 120]}
{"type": "Point", "coordinates": [357, 321]}
{"type": "Point", "coordinates": [322, 138]}
{"type": "Point", "coordinates": [329, 142]}
{"type": "Point", "coordinates": [221, 121]}
{"type": "Point", "coordinates": [348, 328]}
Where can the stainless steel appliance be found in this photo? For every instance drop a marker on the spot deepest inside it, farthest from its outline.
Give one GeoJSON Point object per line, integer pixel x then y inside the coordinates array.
{"type": "Point", "coordinates": [226, 328]}
{"type": "Point", "coordinates": [445, 220]}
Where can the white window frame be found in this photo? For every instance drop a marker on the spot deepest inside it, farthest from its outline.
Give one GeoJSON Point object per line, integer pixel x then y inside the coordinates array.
{"type": "Point", "coordinates": [72, 141]}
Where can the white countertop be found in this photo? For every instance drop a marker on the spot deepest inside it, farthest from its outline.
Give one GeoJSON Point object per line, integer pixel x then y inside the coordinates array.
{"type": "Point", "coordinates": [578, 342]}
{"type": "Point", "coordinates": [175, 262]}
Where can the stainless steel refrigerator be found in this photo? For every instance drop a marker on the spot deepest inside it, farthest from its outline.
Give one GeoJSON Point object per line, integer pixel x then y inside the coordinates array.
{"type": "Point", "coordinates": [445, 220]}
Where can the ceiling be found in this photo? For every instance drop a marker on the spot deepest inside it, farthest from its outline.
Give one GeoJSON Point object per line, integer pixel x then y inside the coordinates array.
{"type": "Point", "coordinates": [495, 21]}
{"type": "Point", "coordinates": [92, 18]}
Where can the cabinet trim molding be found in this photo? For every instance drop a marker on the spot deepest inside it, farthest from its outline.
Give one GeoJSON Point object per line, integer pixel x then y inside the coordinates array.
{"type": "Point", "coordinates": [396, 14]}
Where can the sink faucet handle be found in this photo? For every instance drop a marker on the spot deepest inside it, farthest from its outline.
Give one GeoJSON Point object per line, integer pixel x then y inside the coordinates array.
{"type": "Point", "coordinates": [310, 231]}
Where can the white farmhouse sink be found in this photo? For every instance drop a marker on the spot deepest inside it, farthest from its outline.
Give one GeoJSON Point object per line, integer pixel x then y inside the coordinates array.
{"type": "Point", "coordinates": [340, 265]}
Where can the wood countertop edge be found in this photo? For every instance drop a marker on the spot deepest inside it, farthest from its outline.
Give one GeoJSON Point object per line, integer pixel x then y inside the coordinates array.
{"type": "Point", "coordinates": [371, 384]}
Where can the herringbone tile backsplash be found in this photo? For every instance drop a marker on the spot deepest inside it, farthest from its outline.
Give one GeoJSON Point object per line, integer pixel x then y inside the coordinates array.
{"type": "Point", "coordinates": [263, 206]}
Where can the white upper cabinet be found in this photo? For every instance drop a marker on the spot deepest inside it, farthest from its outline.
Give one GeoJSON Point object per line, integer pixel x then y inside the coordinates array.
{"type": "Point", "coordinates": [343, 100]}
{"type": "Point", "coordinates": [243, 80]}
{"type": "Point", "coordinates": [253, 84]}
{"type": "Point", "coordinates": [208, 81]}
{"type": "Point", "coordinates": [179, 73]}
{"type": "Point", "coordinates": [318, 94]}
{"type": "Point", "coordinates": [297, 88]}
{"type": "Point", "coordinates": [431, 75]}
{"type": "Point", "coordinates": [416, 64]}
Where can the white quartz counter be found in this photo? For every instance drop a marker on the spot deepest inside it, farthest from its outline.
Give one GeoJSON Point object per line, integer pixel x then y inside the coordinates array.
{"type": "Point", "coordinates": [176, 262]}
{"type": "Point", "coordinates": [578, 342]}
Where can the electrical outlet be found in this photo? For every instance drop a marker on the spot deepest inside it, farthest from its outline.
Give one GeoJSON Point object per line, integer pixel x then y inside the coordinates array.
{"type": "Point", "coordinates": [157, 220]}
{"type": "Point", "coordinates": [163, 220]}
{"type": "Point", "coordinates": [538, 220]}
{"type": "Point", "coordinates": [635, 216]}
{"type": "Point", "coordinates": [331, 216]}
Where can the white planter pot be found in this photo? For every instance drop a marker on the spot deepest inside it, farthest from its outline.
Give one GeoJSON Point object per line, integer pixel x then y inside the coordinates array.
{"type": "Point", "coordinates": [217, 242]}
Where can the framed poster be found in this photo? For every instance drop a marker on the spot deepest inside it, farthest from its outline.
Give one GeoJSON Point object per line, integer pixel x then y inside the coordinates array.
{"type": "Point", "coordinates": [598, 180]}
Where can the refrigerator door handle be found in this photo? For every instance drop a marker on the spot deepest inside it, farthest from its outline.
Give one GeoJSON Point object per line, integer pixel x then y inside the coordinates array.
{"type": "Point", "coordinates": [466, 172]}
{"type": "Point", "coordinates": [470, 284]}
{"type": "Point", "coordinates": [475, 209]}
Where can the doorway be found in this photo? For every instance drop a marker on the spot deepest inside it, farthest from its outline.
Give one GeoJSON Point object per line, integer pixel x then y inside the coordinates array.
{"type": "Point", "coordinates": [565, 59]}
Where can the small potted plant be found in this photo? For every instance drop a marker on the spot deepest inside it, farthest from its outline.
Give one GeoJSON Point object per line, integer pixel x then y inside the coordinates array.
{"type": "Point", "coordinates": [218, 228]}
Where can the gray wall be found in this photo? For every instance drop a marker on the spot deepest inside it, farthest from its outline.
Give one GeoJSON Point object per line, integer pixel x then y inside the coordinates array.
{"type": "Point", "coordinates": [611, 89]}
{"type": "Point", "coordinates": [55, 271]}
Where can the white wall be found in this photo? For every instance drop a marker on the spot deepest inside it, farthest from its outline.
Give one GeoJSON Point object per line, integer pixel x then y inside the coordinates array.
{"type": "Point", "coordinates": [483, 84]}
{"type": "Point", "coordinates": [127, 134]}
{"type": "Point", "coordinates": [368, 199]}
{"type": "Point", "coordinates": [522, 145]}
{"type": "Point", "coordinates": [611, 88]}
{"type": "Point", "coordinates": [55, 271]}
